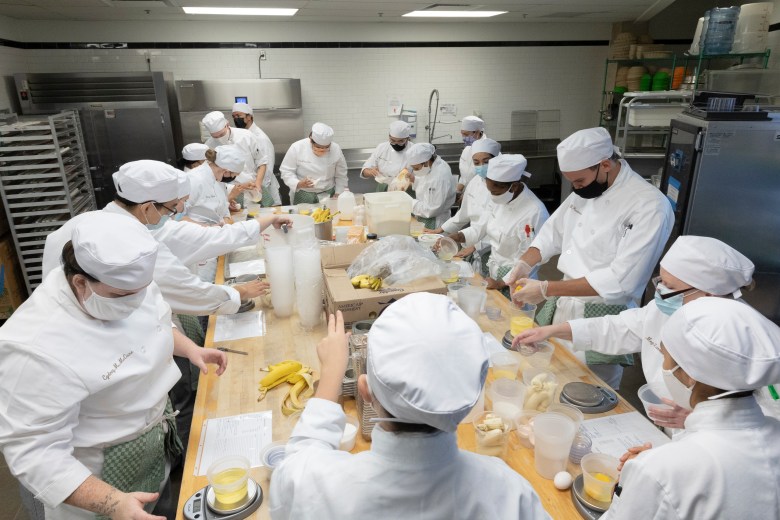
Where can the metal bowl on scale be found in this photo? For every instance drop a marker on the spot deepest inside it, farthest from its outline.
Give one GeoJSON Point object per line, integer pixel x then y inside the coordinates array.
{"type": "Point", "coordinates": [588, 398]}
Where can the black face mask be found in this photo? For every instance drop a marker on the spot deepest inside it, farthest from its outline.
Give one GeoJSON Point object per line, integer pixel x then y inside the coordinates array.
{"type": "Point", "coordinates": [227, 180]}
{"type": "Point", "coordinates": [398, 147]}
{"type": "Point", "coordinates": [594, 189]}
{"type": "Point", "coordinates": [239, 122]}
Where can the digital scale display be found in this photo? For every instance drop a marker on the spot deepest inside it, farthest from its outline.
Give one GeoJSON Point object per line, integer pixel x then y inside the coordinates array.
{"type": "Point", "coordinates": [241, 99]}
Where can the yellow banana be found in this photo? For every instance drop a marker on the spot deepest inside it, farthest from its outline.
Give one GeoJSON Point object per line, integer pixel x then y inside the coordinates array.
{"type": "Point", "coordinates": [278, 374]}
{"type": "Point", "coordinates": [358, 281]}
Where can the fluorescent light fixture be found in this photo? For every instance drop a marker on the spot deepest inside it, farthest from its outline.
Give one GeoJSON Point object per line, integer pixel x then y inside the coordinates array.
{"type": "Point", "coordinates": [241, 11]}
{"type": "Point", "coordinates": [454, 14]}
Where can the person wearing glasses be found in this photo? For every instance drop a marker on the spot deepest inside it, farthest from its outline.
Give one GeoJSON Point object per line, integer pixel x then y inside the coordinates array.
{"type": "Point", "coordinates": [692, 268]}
{"type": "Point", "coordinates": [314, 168]}
{"type": "Point", "coordinates": [389, 157]}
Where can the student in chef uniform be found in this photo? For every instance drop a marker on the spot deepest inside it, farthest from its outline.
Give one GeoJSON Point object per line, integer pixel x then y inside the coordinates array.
{"type": "Point", "coordinates": [85, 368]}
{"type": "Point", "coordinates": [314, 168]}
{"type": "Point", "coordinates": [472, 129]}
{"type": "Point", "coordinates": [727, 464]}
{"type": "Point", "coordinates": [255, 152]}
{"type": "Point", "coordinates": [421, 389]}
{"type": "Point", "coordinates": [193, 155]}
{"type": "Point", "coordinates": [265, 182]}
{"type": "Point", "coordinates": [692, 268]}
{"type": "Point", "coordinates": [146, 192]}
{"type": "Point", "coordinates": [208, 202]}
{"type": "Point", "coordinates": [433, 184]}
{"type": "Point", "coordinates": [476, 197]}
{"type": "Point", "coordinates": [609, 232]}
{"type": "Point", "coordinates": [516, 211]}
{"type": "Point", "coordinates": [389, 157]}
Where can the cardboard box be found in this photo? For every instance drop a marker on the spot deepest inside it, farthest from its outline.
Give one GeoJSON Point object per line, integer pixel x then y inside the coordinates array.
{"type": "Point", "coordinates": [340, 255]}
{"type": "Point", "coordinates": [365, 304]}
{"type": "Point", "coordinates": [14, 291]}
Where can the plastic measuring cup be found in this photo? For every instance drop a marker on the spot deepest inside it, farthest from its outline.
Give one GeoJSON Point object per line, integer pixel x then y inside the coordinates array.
{"type": "Point", "coordinates": [568, 410]}
{"type": "Point", "coordinates": [541, 385]}
{"type": "Point", "coordinates": [521, 318]}
{"type": "Point", "coordinates": [492, 441]}
{"type": "Point", "coordinates": [504, 365]}
{"type": "Point", "coordinates": [506, 397]}
{"type": "Point", "coordinates": [553, 436]}
{"type": "Point", "coordinates": [470, 300]}
{"type": "Point", "coordinates": [651, 393]}
{"type": "Point", "coordinates": [600, 475]}
{"type": "Point", "coordinates": [228, 478]}
{"type": "Point", "coordinates": [449, 272]}
{"type": "Point", "coordinates": [543, 355]}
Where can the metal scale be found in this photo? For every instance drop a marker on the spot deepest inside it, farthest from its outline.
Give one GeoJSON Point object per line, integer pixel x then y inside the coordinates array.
{"type": "Point", "coordinates": [586, 506]}
{"type": "Point", "coordinates": [203, 505]}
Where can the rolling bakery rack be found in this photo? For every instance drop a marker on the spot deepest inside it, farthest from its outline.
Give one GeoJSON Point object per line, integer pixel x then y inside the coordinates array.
{"type": "Point", "coordinates": [44, 181]}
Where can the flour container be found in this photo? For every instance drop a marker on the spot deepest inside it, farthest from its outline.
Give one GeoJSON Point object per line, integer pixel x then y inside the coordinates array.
{"type": "Point", "coordinates": [389, 213]}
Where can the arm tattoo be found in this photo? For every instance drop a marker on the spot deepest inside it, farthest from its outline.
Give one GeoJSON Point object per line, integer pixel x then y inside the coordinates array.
{"type": "Point", "coordinates": [108, 505]}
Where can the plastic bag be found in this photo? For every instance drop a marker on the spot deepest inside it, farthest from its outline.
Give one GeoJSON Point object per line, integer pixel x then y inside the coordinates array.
{"type": "Point", "coordinates": [396, 259]}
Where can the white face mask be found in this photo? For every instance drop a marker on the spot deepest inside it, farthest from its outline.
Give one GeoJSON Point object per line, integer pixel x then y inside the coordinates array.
{"type": "Point", "coordinates": [110, 309]}
{"type": "Point", "coordinates": [680, 393]}
{"type": "Point", "coordinates": [504, 198]}
{"type": "Point", "coordinates": [422, 172]}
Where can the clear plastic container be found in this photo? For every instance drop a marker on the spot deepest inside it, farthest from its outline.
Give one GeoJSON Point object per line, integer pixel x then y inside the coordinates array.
{"type": "Point", "coordinates": [553, 437]}
{"type": "Point", "coordinates": [651, 393]}
{"type": "Point", "coordinates": [388, 213]}
{"type": "Point", "coordinates": [600, 475]}
{"type": "Point", "coordinates": [492, 441]}
{"type": "Point", "coordinates": [346, 204]}
{"type": "Point", "coordinates": [505, 365]}
{"type": "Point", "coordinates": [228, 478]}
{"type": "Point", "coordinates": [506, 398]}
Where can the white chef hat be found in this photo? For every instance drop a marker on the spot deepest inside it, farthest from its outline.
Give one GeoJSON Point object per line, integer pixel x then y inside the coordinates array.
{"type": "Point", "coordinates": [244, 108]}
{"type": "Point", "coordinates": [472, 124]}
{"type": "Point", "coordinates": [145, 180]}
{"type": "Point", "coordinates": [420, 153]}
{"type": "Point", "coordinates": [194, 152]}
{"type": "Point", "coordinates": [584, 148]}
{"type": "Point", "coordinates": [184, 185]}
{"type": "Point", "coordinates": [230, 157]}
{"type": "Point", "coordinates": [400, 129]}
{"type": "Point", "coordinates": [426, 361]}
{"type": "Point", "coordinates": [486, 145]}
{"type": "Point", "coordinates": [116, 250]}
{"type": "Point", "coordinates": [709, 265]}
{"type": "Point", "coordinates": [321, 134]}
{"type": "Point", "coordinates": [724, 343]}
{"type": "Point", "coordinates": [507, 168]}
{"type": "Point", "coordinates": [214, 121]}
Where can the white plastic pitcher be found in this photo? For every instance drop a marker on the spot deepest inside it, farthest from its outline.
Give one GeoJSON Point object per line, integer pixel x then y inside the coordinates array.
{"type": "Point", "coordinates": [346, 204]}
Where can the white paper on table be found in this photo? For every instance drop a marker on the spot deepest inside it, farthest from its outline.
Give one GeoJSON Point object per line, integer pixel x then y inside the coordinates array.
{"type": "Point", "coordinates": [238, 326]}
{"type": "Point", "coordinates": [492, 345]}
{"type": "Point", "coordinates": [256, 266]}
{"type": "Point", "coordinates": [244, 435]}
{"type": "Point", "coordinates": [614, 434]}
{"type": "Point", "coordinates": [466, 271]}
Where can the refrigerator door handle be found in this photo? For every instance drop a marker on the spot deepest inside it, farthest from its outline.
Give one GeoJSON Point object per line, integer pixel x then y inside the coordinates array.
{"type": "Point", "coordinates": [697, 144]}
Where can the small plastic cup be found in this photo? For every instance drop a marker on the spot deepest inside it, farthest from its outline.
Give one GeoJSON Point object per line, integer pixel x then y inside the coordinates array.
{"type": "Point", "coordinates": [568, 410]}
{"type": "Point", "coordinates": [428, 240]}
{"type": "Point", "coordinates": [449, 272]}
{"type": "Point", "coordinates": [228, 477]}
{"type": "Point", "coordinates": [580, 447]}
{"type": "Point", "coordinates": [600, 475]}
{"type": "Point", "coordinates": [521, 318]}
{"type": "Point", "coordinates": [416, 228]}
{"type": "Point", "coordinates": [541, 385]}
{"type": "Point", "coordinates": [341, 234]}
{"type": "Point", "coordinates": [504, 365]}
{"type": "Point", "coordinates": [350, 434]}
{"type": "Point", "coordinates": [482, 285]}
{"type": "Point", "coordinates": [506, 397]}
{"type": "Point", "coordinates": [524, 427]}
{"type": "Point", "coordinates": [453, 288]}
{"type": "Point", "coordinates": [543, 355]}
{"type": "Point", "coordinates": [651, 393]}
{"type": "Point", "coordinates": [492, 442]}
{"type": "Point", "coordinates": [493, 312]}
{"type": "Point", "coordinates": [470, 300]}
{"type": "Point", "coordinates": [553, 436]}
{"type": "Point", "coordinates": [273, 454]}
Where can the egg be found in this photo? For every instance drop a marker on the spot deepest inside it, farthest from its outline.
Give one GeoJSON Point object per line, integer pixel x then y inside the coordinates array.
{"type": "Point", "coordinates": [562, 480]}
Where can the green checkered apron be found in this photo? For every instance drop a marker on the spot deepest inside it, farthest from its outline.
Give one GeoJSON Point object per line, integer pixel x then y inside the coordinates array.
{"type": "Point", "coordinates": [381, 187]}
{"type": "Point", "coordinates": [240, 199]}
{"type": "Point", "coordinates": [500, 274]}
{"type": "Point", "coordinates": [429, 223]}
{"type": "Point", "coordinates": [139, 465]}
{"type": "Point", "coordinates": [309, 197]}
{"type": "Point", "coordinates": [592, 310]}
{"type": "Point", "coordinates": [267, 198]}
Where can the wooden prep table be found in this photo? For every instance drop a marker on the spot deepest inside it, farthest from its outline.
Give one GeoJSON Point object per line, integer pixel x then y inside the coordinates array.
{"type": "Point", "coordinates": [236, 392]}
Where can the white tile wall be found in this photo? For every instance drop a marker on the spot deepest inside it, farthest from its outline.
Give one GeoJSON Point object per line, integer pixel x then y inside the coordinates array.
{"type": "Point", "coordinates": [348, 88]}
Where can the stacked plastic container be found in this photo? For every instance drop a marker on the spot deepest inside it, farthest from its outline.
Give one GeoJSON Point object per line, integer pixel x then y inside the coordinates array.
{"type": "Point", "coordinates": [718, 29]}
{"type": "Point", "coordinates": [752, 31]}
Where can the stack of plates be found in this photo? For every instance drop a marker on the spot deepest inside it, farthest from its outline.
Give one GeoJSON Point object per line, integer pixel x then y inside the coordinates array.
{"type": "Point", "coordinates": [621, 77]}
{"type": "Point", "coordinates": [634, 76]}
{"type": "Point", "coordinates": [677, 77]}
{"type": "Point", "coordinates": [621, 45]}
{"type": "Point", "coordinates": [660, 81]}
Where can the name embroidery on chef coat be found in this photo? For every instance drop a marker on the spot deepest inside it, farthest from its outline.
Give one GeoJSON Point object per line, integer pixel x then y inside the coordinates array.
{"type": "Point", "coordinates": [124, 357]}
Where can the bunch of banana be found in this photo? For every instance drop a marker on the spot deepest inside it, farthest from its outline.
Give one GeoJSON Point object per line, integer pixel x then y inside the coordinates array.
{"type": "Point", "coordinates": [289, 371]}
{"type": "Point", "coordinates": [323, 215]}
{"type": "Point", "coordinates": [365, 281]}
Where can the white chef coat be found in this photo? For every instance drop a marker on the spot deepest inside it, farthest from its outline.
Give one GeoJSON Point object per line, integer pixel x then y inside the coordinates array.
{"type": "Point", "coordinates": [257, 155]}
{"type": "Point", "coordinates": [614, 241]}
{"type": "Point", "coordinates": [414, 476]}
{"type": "Point", "coordinates": [387, 161]}
{"type": "Point", "coordinates": [476, 202]}
{"type": "Point", "coordinates": [466, 166]}
{"type": "Point", "coordinates": [327, 171]}
{"type": "Point", "coordinates": [182, 290]}
{"type": "Point", "coordinates": [504, 228]}
{"type": "Point", "coordinates": [269, 180]}
{"type": "Point", "coordinates": [192, 243]}
{"type": "Point", "coordinates": [208, 201]}
{"type": "Point", "coordinates": [725, 465]}
{"type": "Point", "coordinates": [435, 192]}
{"type": "Point", "coordinates": [72, 385]}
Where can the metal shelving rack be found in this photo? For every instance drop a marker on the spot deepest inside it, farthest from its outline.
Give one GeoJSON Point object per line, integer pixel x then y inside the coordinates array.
{"type": "Point", "coordinates": [44, 181]}
{"type": "Point", "coordinates": [676, 100]}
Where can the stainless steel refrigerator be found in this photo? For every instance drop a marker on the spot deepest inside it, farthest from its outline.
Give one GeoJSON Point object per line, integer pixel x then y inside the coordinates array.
{"type": "Point", "coordinates": [723, 180]}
